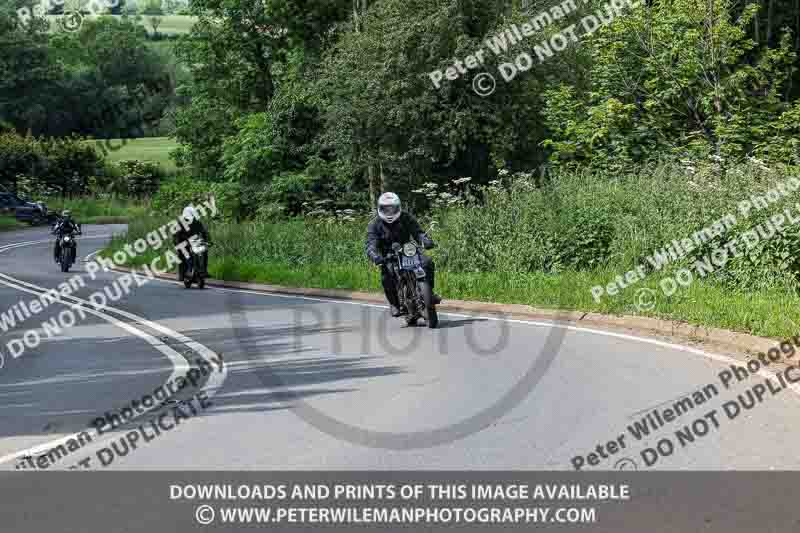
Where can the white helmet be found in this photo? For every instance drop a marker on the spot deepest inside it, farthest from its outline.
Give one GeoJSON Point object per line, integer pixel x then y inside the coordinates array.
{"type": "Point", "coordinates": [190, 213]}
{"type": "Point", "coordinates": [389, 207]}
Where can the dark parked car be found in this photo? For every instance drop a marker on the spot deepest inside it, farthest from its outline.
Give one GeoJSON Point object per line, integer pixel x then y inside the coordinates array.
{"type": "Point", "coordinates": [31, 212]}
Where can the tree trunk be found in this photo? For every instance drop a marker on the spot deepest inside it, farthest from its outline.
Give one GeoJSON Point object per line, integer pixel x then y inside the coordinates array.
{"type": "Point", "coordinates": [797, 25]}
{"type": "Point", "coordinates": [770, 11]}
{"type": "Point", "coordinates": [357, 17]}
{"type": "Point", "coordinates": [796, 10]}
{"type": "Point", "coordinates": [384, 181]}
{"type": "Point", "coordinates": [756, 32]}
{"type": "Point", "coordinates": [374, 186]}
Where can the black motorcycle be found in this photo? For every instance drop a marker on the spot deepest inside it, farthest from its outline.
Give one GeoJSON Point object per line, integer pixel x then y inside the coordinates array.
{"type": "Point", "coordinates": [69, 250]}
{"type": "Point", "coordinates": [197, 264]}
{"type": "Point", "coordinates": [414, 290]}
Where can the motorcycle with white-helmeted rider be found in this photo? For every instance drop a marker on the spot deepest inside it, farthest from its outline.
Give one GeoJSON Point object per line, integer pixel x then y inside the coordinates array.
{"type": "Point", "coordinates": [194, 268]}
{"type": "Point", "coordinates": [395, 242]}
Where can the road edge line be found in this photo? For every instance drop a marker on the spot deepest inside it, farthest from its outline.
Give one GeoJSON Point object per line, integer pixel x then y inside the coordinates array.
{"type": "Point", "coordinates": [742, 343]}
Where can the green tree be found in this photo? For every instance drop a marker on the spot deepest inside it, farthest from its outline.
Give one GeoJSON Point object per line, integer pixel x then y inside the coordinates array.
{"type": "Point", "coordinates": [28, 73]}
{"type": "Point", "coordinates": [238, 52]}
{"type": "Point", "coordinates": [675, 76]}
{"type": "Point", "coordinates": [153, 7]}
{"type": "Point", "coordinates": [387, 119]}
{"type": "Point", "coordinates": [155, 22]}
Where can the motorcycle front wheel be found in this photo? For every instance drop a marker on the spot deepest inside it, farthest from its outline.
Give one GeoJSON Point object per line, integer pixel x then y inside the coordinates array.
{"type": "Point", "coordinates": [429, 312]}
{"type": "Point", "coordinates": [65, 260]}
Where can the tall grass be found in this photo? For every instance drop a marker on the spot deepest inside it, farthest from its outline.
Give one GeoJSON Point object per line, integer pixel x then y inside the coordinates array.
{"type": "Point", "coordinates": [548, 246]}
{"type": "Point", "coordinates": [101, 210]}
{"type": "Point", "coordinates": [9, 222]}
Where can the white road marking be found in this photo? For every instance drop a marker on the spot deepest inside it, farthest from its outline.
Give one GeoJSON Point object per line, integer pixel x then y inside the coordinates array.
{"type": "Point", "coordinates": [711, 356]}
{"type": "Point", "coordinates": [180, 366]}
{"type": "Point", "coordinates": [723, 359]}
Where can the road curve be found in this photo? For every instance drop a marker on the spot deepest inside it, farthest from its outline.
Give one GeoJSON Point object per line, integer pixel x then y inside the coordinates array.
{"type": "Point", "coordinates": [317, 384]}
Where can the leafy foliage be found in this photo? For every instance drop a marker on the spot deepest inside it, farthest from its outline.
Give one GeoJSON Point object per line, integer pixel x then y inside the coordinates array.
{"type": "Point", "coordinates": [65, 165]}
{"type": "Point", "coordinates": [678, 77]}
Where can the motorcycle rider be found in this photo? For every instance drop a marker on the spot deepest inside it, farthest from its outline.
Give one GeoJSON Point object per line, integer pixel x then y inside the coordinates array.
{"type": "Point", "coordinates": [195, 227]}
{"type": "Point", "coordinates": [392, 225]}
{"type": "Point", "coordinates": [65, 225]}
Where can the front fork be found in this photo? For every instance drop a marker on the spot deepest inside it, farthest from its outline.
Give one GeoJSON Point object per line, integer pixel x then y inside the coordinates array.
{"type": "Point", "coordinates": [194, 264]}
{"type": "Point", "coordinates": [409, 297]}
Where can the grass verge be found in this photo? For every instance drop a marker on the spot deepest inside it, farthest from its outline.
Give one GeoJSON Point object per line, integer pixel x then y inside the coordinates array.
{"type": "Point", "coordinates": [548, 245]}
{"type": "Point", "coordinates": [97, 210]}
{"type": "Point", "coordinates": [9, 222]}
{"type": "Point", "coordinates": [767, 313]}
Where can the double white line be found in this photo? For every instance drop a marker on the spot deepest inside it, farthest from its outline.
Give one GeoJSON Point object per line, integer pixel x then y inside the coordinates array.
{"type": "Point", "coordinates": [179, 363]}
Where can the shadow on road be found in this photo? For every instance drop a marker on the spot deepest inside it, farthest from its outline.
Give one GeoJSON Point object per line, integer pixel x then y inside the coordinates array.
{"type": "Point", "coordinates": [447, 324]}
{"type": "Point", "coordinates": [267, 371]}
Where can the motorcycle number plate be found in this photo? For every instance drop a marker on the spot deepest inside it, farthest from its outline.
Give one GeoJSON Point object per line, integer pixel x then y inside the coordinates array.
{"type": "Point", "coordinates": [411, 263]}
{"type": "Point", "coordinates": [419, 273]}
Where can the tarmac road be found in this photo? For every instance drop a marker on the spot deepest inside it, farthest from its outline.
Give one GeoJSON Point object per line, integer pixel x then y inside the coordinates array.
{"type": "Point", "coordinates": [311, 384]}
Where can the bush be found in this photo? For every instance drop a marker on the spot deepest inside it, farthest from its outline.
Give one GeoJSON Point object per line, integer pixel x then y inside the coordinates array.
{"type": "Point", "coordinates": [28, 187]}
{"type": "Point", "coordinates": [136, 178]}
{"type": "Point", "coordinates": [70, 162]}
{"type": "Point", "coordinates": [585, 223]}
{"type": "Point", "coordinates": [290, 190]}
{"type": "Point", "coordinates": [19, 156]}
{"type": "Point", "coordinates": [49, 166]}
{"type": "Point", "coordinates": [153, 7]}
{"type": "Point", "coordinates": [176, 193]}
{"type": "Point", "coordinates": [591, 221]}
{"type": "Point", "coordinates": [100, 210]}
{"type": "Point", "coordinates": [232, 199]}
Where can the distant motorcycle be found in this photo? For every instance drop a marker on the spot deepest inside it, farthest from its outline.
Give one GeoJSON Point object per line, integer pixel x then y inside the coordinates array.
{"type": "Point", "coordinates": [414, 290]}
{"type": "Point", "coordinates": [197, 264]}
{"type": "Point", "coordinates": [69, 250]}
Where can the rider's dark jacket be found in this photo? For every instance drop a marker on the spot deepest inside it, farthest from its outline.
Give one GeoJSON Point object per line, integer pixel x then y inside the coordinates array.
{"type": "Point", "coordinates": [381, 235]}
{"type": "Point", "coordinates": [65, 226]}
{"type": "Point", "coordinates": [195, 228]}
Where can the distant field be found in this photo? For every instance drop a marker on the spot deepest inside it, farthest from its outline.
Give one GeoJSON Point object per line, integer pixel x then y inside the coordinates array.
{"type": "Point", "coordinates": [169, 23]}
{"type": "Point", "coordinates": [147, 149]}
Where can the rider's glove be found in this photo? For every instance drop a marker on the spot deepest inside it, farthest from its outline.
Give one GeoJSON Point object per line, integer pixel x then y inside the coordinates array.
{"type": "Point", "coordinates": [378, 260]}
{"type": "Point", "coordinates": [426, 241]}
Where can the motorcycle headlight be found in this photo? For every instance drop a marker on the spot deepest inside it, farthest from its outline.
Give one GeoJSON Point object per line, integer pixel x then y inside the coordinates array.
{"type": "Point", "coordinates": [67, 238]}
{"type": "Point", "coordinates": [410, 249]}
